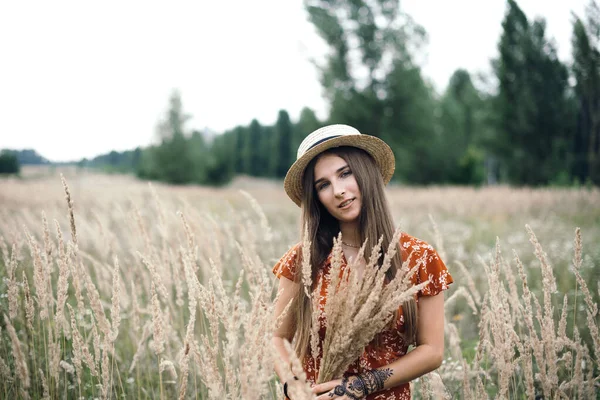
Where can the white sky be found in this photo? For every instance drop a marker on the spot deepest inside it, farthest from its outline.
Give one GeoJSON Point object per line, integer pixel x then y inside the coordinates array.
{"type": "Point", "coordinates": [81, 78]}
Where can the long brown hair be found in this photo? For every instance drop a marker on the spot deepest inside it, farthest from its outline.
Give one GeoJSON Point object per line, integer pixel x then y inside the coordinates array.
{"type": "Point", "coordinates": [374, 221]}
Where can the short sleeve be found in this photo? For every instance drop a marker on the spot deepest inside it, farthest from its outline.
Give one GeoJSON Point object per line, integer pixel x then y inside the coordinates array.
{"type": "Point", "coordinates": [431, 267]}
{"type": "Point", "coordinates": [286, 266]}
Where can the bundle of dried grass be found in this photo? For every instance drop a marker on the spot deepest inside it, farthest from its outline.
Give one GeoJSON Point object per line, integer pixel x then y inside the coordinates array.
{"type": "Point", "coordinates": [359, 306]}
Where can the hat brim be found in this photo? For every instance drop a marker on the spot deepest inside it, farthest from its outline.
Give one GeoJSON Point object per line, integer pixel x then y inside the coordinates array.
{"type": "Point", "coordinates": [377, 148]}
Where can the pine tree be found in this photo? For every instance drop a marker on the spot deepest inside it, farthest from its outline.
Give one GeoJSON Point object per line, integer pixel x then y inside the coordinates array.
{"type": "Point", "coordinates": [253, 146]}
{"type": "Point", "coordinates": [282, 150]}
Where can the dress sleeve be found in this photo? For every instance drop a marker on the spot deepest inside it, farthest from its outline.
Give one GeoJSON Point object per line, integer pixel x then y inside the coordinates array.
{"type": "Point", "coordinates": [431, 267]}
{"type": "Point", "coordinates": [286, 266]}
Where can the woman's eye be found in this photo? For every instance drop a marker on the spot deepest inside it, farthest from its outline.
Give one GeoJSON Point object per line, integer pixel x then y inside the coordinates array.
{"type": "Point", "coordinates": [346, 173]}
{"type": "Point", "coordinates": [322, 186]}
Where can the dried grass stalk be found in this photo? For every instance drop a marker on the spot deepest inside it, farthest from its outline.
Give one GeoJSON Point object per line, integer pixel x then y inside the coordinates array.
{"type": "Point", "coordinates": [592, 307]}
{"type": "Point", "coordinates": [71, 209]}
{"type": "Point", "coordinates": [140, 345]}
{"type": "Point", "coordinates": [81, 352]}
{"type": "Point", "coordinates": [97, 307]}
{"type": "Point", "coordinates": [67, 367]}
{"type": "Point", "coordinates": [189, 338]}
{"type": "Point", "coordinates": [29, 306]}
{"type": "Point", "coordinates": [63, 288]}
{"type": "Point", "coordinates": [46, 392]}
{"type": "Point", "coordinates": [12, 289]}
{"type": "Point", "coordinates": [106, 375]}
{"type": "Point", "coordinates": [20, 361]}
{"type": "Point", "coordinates": [39, 276]}
{"type": "Point", "coordinates": [167, 365]}
{"type": "Point", "coordinates": [158, 342]}
{"type": "Point", "coordinates": [115, 311]}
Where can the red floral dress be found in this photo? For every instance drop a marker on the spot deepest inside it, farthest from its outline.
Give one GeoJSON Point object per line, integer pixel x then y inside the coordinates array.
{"type": "Point", "coordinates": [391, 342]}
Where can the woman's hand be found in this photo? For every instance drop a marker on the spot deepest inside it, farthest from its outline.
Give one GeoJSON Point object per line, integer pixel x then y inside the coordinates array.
{"type": "Point", "coordinates": [347, 388]}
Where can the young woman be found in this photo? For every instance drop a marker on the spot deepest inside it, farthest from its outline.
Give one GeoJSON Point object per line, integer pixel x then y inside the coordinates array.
{"type": "Point", "coordinates": [339, 181]}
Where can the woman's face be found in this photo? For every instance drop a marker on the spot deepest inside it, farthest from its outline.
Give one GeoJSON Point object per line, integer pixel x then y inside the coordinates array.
{"type": "Point", "coordinates": [337, 189]}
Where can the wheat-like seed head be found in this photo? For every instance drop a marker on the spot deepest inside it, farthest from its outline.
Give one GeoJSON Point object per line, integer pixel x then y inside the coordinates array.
{"type": "Point", "coordinates": [106, 375]}
{"type": "Point", "coordinates": [77, 347]}
{"type": "Point", "coordinates": [115, 311]}
{"type": "Point", "coordinates": [13, 290]}
{"type": "Point", "coordinates": [71, 209]}
{"type": "Point", "coordinates": [158, 344]}
{"type": "Point", "coordinates": [46, 392]}
{"type": "Point", "coordinates": [67, 367]}
{"type": "Point", "coordinates": [20, 361]}
{"type": "Point", "coordinates": [29, 306]}
{"type": "Point", "coordinates": [96, 306]}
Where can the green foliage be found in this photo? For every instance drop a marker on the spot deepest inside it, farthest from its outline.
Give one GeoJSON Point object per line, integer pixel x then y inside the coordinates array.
{"type": "Point", "coordinates": [586, 71]}
{"type": "Point", "coordinates": [28, 157]}
{"type": "Point", "coordinates": [372, 82]}
{"type": "Point", "coordinates": [9, 164]}
{"type": "Point", "coordinates": [117, 162]}
{"type": "Point", "coordinates": [307, 123]}
{"type": "Point", "coordinates": [461, 132]}
{"type": "Point", "coordinates": [535, 127]}
{"type": "Point", "coordinates": [239, 138]}
{"type": "Point", "coordinates": [408, 124]}
{"type": "Point", "coordinates": [282, 149]}
{"type": "Point", "coordinates": [253, 157]}
{"type": "Point", "coordinates": [220, 165]}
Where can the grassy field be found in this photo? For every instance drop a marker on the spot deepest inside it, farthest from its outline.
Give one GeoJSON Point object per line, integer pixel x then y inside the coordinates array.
{"type": "Point", "coordinates": [114, 288]}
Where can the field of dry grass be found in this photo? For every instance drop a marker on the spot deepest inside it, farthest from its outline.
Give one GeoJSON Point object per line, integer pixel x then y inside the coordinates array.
{"type": "Point", "coordinates": [114, 288]}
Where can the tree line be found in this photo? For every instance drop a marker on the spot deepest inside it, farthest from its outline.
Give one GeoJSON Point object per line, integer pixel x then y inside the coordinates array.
{"type": "Point", "coordinates": [535, 121]}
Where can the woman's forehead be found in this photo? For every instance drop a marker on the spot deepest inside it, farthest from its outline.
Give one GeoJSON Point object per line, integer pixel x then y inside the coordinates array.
{"type": "Point", "coordinates": [328, 164]}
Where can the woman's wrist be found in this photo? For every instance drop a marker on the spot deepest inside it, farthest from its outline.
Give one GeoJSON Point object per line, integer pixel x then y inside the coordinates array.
{"type": "Point", "coordinates": [357, 387]}
{"type": "Point", "coordinates": [374, 380]}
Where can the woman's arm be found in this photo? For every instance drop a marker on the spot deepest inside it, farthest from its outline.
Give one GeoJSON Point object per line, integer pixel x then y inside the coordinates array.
{"type": "Point", "coordinates": [426, 357]}
{"type": "Point", "coordinates": [286, 330]}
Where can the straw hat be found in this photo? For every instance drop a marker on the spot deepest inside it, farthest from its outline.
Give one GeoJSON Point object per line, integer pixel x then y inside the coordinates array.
{"type": "Point", "coordinates": [335, 136]}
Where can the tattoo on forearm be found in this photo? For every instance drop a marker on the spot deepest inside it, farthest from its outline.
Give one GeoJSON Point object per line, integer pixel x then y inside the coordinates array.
{"type": "Point", "coordinates": [359, 386]}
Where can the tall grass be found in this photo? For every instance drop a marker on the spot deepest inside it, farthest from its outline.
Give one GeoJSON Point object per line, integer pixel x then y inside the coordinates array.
{"type": "Point", "coordinates": [114, 288]}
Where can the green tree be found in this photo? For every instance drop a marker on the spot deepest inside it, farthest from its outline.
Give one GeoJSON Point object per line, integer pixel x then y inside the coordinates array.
{"type": "Point", "coordinates": [409, 124]}
{"type": "Point", "coordinates": [252, 150]}
{"type": "Point", "coordinates": [199, 155]}
{"type": "Point", "coordinates": [586, 71]}
{"type": "Point", "coordinates": [220, 161]}
{"type": "Point", "coordinates": [281, 157]}
{"type": "Point", "coordinates": [460, 132]}
{"type": "Point", "coordinates": [172, 157]}
{"type": "Point", "coordinates": [534, 118]}
{"type": "Point", "coordinates": [307, 123]}
{"type": "Point", "coordinates": [372, 82]}
{"type": "Point", "coordinates": [9, 164]}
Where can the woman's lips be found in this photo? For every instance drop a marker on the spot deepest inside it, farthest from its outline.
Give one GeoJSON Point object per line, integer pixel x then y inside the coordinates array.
{"type": "Point", "coordinates": [346, 204]}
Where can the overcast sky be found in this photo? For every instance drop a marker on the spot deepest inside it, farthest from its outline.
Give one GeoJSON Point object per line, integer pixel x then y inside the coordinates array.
{"type": "Point", "coordinates": [81, 78]}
